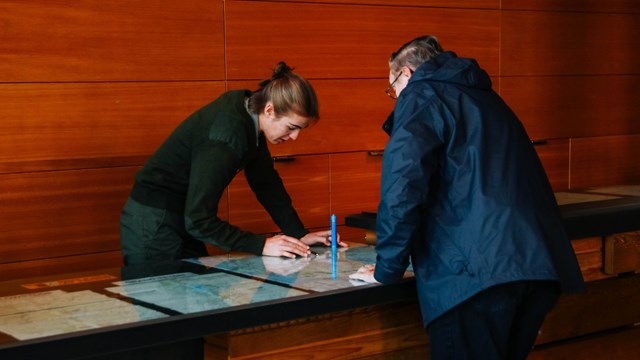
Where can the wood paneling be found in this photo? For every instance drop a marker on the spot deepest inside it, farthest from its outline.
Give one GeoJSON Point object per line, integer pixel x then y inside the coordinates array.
{"type": "Point", "coordinates": [587, 245]}
{"type": "Point", "coordinates": [57, 214]}
{"type": "Point", "coordinates": [553, 107]}
{"type": "Point", "coordinates": [621, 6]}
{"type": "Point", "coordinates": [559, 43]}
{"type": "Point", "coordinates": [351, 234]}
{"type": "Point", "coordinates": [604, 306]}
{"type": "Point", "coordinates": [94, 40]}
{"type": "Point", "coordinates": [62, 213]}
{"type": "Point", "coordinates": [607, 160]}
{"type": "Point", "coordinates": [351, 116]}
{"type": "Point", "coordinates": [12, 167]}
{"type": "Point", "coordinates": [389, 331]}
{"type": "Point", "coordinates": [61, 265]}
{"type": "Point", "coordinates": [90, 89]}
{"type": "Point", "coordinates": [475, 4]}
{"type": "Point", "coordinates": [554, 155]}
{"type": "Point", "coordinates": [617, 344]}
{"type": "Point", "coordinates": [622, 253]}
{"type": "Point", "coordinates": [589, 253]}
{"type": "Point", "coordinates": [355, 183]}
{"type": "Point", "coordinates": [347, 41]}
{"type": "Point", "coordinates": [306, 179]}
{"type": "Point", "coordinates": [66, 121]}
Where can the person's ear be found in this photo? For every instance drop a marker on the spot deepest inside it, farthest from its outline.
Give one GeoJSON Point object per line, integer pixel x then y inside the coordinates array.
{"type": "Point", "coordinates": [269, 110]}
{"type": "Point", "coordinates": [406, 71]}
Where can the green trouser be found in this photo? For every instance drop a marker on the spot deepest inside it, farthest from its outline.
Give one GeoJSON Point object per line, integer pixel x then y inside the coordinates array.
{"type": "Point", "coordinates": [149, 234]}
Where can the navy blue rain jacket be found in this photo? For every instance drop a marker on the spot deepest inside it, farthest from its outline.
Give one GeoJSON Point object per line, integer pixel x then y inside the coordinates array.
{"type": "Point", "coordinates": [463, 192]}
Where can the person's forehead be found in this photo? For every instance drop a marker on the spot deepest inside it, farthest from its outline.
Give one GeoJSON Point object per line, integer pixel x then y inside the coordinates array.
{"type": "Point", "coordinates": [295, 119]}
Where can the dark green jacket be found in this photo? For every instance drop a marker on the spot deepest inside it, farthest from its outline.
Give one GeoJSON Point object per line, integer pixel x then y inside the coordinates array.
{"type": "Point", "coordinates": [191, 169]}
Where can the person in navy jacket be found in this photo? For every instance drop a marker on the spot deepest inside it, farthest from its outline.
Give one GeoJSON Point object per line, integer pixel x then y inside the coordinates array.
{"type": "Point", "coordinates": [466, 201]}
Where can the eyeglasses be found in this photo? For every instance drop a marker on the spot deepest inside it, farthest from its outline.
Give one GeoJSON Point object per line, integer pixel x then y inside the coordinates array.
{"type": "Point", "coordinates": [391, 91]}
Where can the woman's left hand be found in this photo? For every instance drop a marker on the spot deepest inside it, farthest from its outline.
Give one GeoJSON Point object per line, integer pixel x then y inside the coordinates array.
{"type": "Point", "coordinates": [321, 237]}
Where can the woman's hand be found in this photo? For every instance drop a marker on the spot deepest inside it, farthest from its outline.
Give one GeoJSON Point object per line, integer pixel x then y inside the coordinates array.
{"type": "Point", "coordinates": [321, 237]}
{"type": "Point", "coordinates": [287, 246]}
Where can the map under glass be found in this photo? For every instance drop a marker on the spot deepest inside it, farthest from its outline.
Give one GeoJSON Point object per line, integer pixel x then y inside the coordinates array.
{"type": "Point", "coordinates": [35, 315]}
{"type": "Point", "coordinates": [188, 293]}
{"type": "Point", "coordinates": [313, 273]}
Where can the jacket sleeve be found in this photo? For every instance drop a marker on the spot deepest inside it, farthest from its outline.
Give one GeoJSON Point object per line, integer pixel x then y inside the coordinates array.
{"type": "Point", "coordinates": [410, 163]}
{"type": "Point", "coordinates": [266, 183]}
{"type": "Point", "coordinates": [214, 164]}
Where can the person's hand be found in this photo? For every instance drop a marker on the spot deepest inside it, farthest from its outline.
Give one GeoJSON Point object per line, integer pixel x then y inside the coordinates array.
{"type": "Point", "coordinates": [365, 273]}
{"type": "Point", "coordinates": [322, 237]}
{"type": "Point", "coordinates": [287, 246]}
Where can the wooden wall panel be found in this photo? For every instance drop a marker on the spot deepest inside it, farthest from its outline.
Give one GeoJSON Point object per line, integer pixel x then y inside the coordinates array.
{"type": "Point", "coordinates": [60, 265]}
{"type": "Point", "coordinates": [58, 214]}
{"type": "Point", "coordinates": [94, 40]}
{"type": "Point", "coordinates": [63, 121]}
{"type": "Point", "coordinates": [62, 213]}
{"type": "Point", "coordinates": [347, 41]}
{"type": "Point", "coordinates": [562, 43]}
{"type": "Point", "coordinates": [602, 161]}
{"type": "Point", "coordinates": [554, 155]}
{"type": "Point", "coordinates": [306, 179]}
{"type": "Point", "coordinates": [351, 116]}
{"type": "Point", "coordinates": [610, 6]}
{"type": "Point", "coordinates": [89, 90]}
{"type": "Point", "coordinates": [355, 183]}
{"type": "Point", "coordinates": [574, 106]}
{"type": "Point", "coordinates": [350, 234]}
{"type": "Point", "coordinates": [475, 4]}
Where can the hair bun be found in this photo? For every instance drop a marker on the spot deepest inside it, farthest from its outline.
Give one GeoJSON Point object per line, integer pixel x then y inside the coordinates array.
{"type": "Point", "coordinates": [289, 92]}
{"type": "Point", "coordinates": [281, 70]}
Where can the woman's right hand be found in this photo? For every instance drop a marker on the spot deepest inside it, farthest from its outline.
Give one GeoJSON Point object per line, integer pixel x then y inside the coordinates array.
{"type": "Point", "coordinates": [287, 246]}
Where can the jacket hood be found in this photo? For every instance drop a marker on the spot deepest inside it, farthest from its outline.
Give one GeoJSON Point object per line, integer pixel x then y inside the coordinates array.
{"type": "Point", "coordinates": [448, 67]}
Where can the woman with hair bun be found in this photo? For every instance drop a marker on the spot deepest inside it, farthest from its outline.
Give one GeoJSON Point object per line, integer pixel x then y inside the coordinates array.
{"type": "Point", "coordinates": [172, 209]}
